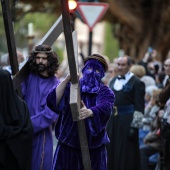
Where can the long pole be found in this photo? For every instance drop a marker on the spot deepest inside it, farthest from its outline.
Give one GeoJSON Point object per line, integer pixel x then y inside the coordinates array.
{"type": "Point", "coordinates": [75, 82]}
{"type": "Point", "coordinates": [9, 36]}
{"type": "Point", "coordinates": [11, 43]}
{"type": "Point", "coordinates": [90, 43]}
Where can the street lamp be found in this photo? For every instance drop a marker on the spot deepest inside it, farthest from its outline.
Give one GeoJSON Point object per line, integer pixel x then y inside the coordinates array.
{"type": "Point", "coordinates": [72, 4]}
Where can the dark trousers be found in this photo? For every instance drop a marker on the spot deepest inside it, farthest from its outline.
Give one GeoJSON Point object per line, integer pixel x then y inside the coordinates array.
{"type": "Point", "coordinates": [145, 153]}
{"type": "Point", "coordinates": [167, 154]}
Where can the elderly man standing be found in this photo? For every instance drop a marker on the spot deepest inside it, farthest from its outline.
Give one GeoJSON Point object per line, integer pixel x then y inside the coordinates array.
{"type": "Point", "coordinates": [123, 150]}
{"type": "Point", "coordinates": [43, 64]}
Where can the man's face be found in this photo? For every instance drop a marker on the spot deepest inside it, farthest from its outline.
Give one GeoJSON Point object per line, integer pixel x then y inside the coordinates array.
{"type": "Point", "coordinates": [41, 61]}
{"type": "Point", "coordinates": [20, 57]}
{"type": "Point", "coordinates": [123, 66]}
{"type": "Point", "coordinates": [151, 67]}
{"type": "Point", "coordinates": [167, 66]}
{"type": "Point", "coordinates": [112, 70]}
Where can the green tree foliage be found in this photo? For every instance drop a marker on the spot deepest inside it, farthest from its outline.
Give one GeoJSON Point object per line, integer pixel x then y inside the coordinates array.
{"type": "Point", "coordinates": [141, 23]}
{"type": "Point", "coordinates": [42, 14]}
{"type": "Point", "coordinates": [111, 48]}
{"type": "Point", "coordinates": [137, 24]}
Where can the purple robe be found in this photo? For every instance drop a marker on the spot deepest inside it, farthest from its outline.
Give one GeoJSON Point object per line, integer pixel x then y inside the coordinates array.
{"type": "Point", "coordinates": [35, 90]}
{"type": "Point", "coordinates": [66, 131]}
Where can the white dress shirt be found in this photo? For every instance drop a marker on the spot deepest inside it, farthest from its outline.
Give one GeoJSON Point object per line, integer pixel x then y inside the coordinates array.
{"type": "Point", "coordinates": [119, 83]}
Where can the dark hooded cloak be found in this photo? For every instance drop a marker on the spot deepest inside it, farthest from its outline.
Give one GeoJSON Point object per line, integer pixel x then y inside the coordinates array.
{"type": "Point", "coordinates": [15, 128]}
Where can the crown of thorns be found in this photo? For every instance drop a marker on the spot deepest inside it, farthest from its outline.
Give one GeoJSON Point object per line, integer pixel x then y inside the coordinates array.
{"type": "Point", "coordinates": [43, 51]}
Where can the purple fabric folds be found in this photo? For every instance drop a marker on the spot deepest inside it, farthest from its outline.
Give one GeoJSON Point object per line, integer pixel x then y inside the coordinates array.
{"type": "Point", "coordinates": [35, 90]}
{"type": "Point", "coordinates": [71, 156]}
{"type": "Point", "coordinates": [66, 131]}
{"type": "Point", "coordinates": [93, 72]}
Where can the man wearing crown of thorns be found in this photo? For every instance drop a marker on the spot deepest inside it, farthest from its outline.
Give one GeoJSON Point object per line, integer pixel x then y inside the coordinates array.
{"type": "Point", "coordinates": [43, 64]}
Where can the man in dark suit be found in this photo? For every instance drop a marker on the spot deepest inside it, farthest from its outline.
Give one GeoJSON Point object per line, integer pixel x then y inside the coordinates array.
{"type": "Point", "coordinates": [123, 150]}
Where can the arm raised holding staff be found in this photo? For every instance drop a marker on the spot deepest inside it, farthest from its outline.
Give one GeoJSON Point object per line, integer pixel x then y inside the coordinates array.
{"type": "Point", "coordinates": [97, 102]}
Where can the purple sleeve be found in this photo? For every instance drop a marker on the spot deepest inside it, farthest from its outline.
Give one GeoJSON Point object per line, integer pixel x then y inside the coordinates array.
{"type": "Point", "coordinates": [43, 119]}
{"type": "Point", "coordinates": [102, 110]}
{"type": "Point", "coordinates": [51, 99]}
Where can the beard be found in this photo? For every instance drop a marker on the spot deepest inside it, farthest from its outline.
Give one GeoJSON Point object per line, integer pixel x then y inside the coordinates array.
{"type": "Point", "coordinates": [41, 68]}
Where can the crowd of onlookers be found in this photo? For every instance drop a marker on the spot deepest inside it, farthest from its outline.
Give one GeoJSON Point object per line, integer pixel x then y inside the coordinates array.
{"type": "Point", "coordinates": [154, 135]}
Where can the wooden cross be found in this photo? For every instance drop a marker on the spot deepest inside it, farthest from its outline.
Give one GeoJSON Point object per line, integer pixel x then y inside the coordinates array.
{"type": "Point", "coordinates": [75, 91]}
{"type": "Point", "coordinates": [10, 36]}
{"type": "Point", "coordinates": [72, 52]}
{"type": "Point", "coordinates": [10, 42]}
{"type": "Point", "coordinates": [49, 38]}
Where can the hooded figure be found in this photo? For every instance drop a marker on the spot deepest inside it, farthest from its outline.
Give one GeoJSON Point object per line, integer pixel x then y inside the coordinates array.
{"type": "Point", "coordinates": [15, 128]}
{"type": "Point", "coordinates": [98, 101]}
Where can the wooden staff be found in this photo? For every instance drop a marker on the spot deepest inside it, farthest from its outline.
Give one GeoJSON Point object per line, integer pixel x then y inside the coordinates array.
{"type": "Point", "coordinates": [75, 91]}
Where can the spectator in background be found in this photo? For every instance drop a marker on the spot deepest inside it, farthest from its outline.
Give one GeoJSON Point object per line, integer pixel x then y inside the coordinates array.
{"type": "Point", "coordinates": [148, 61]}
{"type": "Point", "coordinates": [111, 73]}
{"type": "Point", "coordinates": [151, 108]}
{"type": "Point", "coordinates": [148, 81]}
{"type": "Point", "coordinates": [167, 72]}
{"type": "Point", "coordinates": [3, 60]}
{"type": "Point", "coordinates": [153, 104]}
{"type": "Point", "coordinates": [138, 70]}
{"type": "Point", "coordinates": [43, 64]}
{"type": "Point", "coordinates": [148, 93]}
{"type": "Point", "coordinates": [20, 58]}
{"type": "Point", "coordinates": [123, 149]}
{"type": "Point", "coordinates": [148, 132]}
{"type": "Point", "coordinates": [165, 132]}
{"type": "Point", "coordinates": [165, 102]}
{"type": "Point", "coordinates": [15, 128]}
{"type": "Point", "coordinates": [152, 142]}
{"type": "Point", "coordinates": [165, 94]}
{"type": "Point", "coordinates": [159, 79]}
